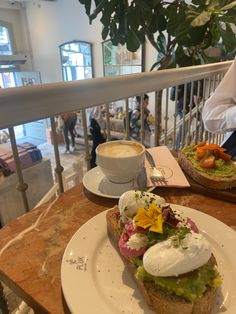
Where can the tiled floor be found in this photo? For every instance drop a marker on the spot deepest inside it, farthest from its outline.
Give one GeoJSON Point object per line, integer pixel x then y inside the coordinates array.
{"type": "Point", "coordinates": [67, 160]}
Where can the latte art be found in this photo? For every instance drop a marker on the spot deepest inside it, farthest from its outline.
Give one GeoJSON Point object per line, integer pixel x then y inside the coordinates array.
{"type": "Point", "coordinates": [120, 160]}
{"type": "Point", "coordinates": [120, 150]}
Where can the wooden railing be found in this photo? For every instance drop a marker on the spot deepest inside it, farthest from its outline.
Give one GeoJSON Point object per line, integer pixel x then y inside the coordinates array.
{"type": "Point", "coordinates": [25, 104]}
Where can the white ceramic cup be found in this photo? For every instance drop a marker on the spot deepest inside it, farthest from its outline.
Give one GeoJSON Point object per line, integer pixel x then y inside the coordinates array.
{"type": "Point", "coordinates": [120, 160]}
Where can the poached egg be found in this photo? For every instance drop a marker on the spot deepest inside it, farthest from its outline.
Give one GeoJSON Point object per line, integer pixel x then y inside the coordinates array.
{"type": "Point", "coordinates": [164, 259]}
{"type": "Point", "coordinates": [131, 201]}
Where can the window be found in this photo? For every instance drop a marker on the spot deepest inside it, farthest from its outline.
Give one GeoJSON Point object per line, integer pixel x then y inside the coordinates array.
{"type": "Point", "coordinates": [5, 43]}
{"type": "Point", "coordinates": [117, 60]}
{"type": "Point", "coordinates": [76, 60]}
{"type": "Point", "coordinates": [5, 46]}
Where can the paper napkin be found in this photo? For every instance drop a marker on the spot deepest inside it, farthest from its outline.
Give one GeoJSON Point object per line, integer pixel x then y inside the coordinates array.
{"type": "Point", "coordinates": [168, 166]}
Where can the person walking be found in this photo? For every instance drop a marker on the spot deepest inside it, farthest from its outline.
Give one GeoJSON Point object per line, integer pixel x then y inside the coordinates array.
{"type": "Point", "coordinates": [69, 120]}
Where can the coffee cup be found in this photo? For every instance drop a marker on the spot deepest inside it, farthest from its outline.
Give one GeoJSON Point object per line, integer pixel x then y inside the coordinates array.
{"type": "Point", "coordinates": [120, 160]}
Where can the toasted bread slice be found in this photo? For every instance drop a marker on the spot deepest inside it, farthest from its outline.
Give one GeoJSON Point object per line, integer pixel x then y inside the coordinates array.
{"type": "Point", "coordinates": [159, 301]}
{"type": "Point", "coordinates": [209, 181]}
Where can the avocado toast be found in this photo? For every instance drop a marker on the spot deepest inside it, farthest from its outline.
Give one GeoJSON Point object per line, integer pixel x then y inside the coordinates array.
{"type": "Point", "coordinates": [209, 165]}
{"type": "Point", "coordinates": [170, 261]}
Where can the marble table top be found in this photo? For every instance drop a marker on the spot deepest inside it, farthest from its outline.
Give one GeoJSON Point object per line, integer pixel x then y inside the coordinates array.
{"type": "Point", "coordinates": [32, 246]}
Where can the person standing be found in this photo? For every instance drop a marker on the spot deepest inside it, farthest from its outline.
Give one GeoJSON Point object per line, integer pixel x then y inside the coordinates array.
{"type": "Point", "coordinates": [135, 119]}
{"type": "Point", "coordinates": [69, 119]}
{"type": "Point", "coordinates": [97, 131]}
{"type": "Point", "coordinates": [219, 112]}
{"type": "Point", "coordinates": [181, 95]}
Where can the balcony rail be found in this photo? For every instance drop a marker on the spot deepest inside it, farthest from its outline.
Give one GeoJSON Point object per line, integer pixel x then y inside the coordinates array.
{"type": "Point", "coordinates": [30, 103]}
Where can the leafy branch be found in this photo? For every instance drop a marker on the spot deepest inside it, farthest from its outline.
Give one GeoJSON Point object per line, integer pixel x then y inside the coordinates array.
{"type": "Point", "coordinates": [180, 32]}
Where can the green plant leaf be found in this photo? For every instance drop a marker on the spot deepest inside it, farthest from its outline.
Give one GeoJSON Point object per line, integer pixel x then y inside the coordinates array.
{"type": "Point", "coordinates": [156, 2]}
{"type": "Point", "coordinates": [179, 30]}
{"type": "Point", "coordinates": [105, 19]}
{"type": "Point", "coordinates": [229, 6]}
{"type": "Point", "coordinates": [88, 6]}
{"type": "Point", "coordinates": [212, 35]}
{"type": "Point", "coordinates": [133, 16]}
{"type": "Point", "coordinates": [161, 23]}
{"type": "Point", "coordinates": [105, 32]}
{"type": "Point", "coordinates": [213, 5]}
{"type": "Point", "coordinates": [161, 43]}
{"type": "Point", "coordinates": [201, 19]}
{"type": "Point", "coordinates": [229, 40]}
{"type": "Point", "coordinates": [122, 21]}
{"type": "Point", "coordinates": [199, 2]}
{"type": "Point", "coordinates": [141, 35]}
{"type": "Point", "coordinates": [100, 4]}
{"type": "Point", "coordinates": [175, 19]}
{"type": "Point", "coordinates": [155, 65]}
{"type": "Point", "coordinates": [229, 18]}
{"type": "Point", "coordinates": [145, 4]}
{"type": "Point", "coordinates": [153, 26]}
{"type": "Point", "coordinates": [132, 41]}
{"type": "Point", "coordinates": [182, 59]}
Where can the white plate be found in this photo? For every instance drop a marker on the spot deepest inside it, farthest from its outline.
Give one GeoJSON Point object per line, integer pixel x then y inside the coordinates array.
{"type": "Point", "coordinates": [94, 279]}
{"type": "Point", "coordinates": [95, 182]}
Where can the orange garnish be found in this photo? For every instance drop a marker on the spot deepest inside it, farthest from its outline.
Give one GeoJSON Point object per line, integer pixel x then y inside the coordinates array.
{"type": "Point", "coordinates": [213, 147]}
{"type": "Point", "coordinates": [199, 145]}
{"type": "Point", "coordinates": [208, 150]}
{"type": "Point", "coordinates": [208, 162]}
{"type": "Point", "coordinates": [200, 153]}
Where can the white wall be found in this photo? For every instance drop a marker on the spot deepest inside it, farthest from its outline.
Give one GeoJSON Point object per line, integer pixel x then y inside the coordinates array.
{"type": "Point", "coordinates": [54, 23]}
{"type": "Point", "coordinates": [41, 26]}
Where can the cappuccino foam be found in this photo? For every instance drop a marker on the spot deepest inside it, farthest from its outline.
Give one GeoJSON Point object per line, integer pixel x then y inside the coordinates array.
{"type": "Point", "coordinates": [120, 150]}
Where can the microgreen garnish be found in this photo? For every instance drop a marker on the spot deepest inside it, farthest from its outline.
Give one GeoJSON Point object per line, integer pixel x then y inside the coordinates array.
{"type": "Point", "coordinates": [136, 195]}
{"type": "Point", "coordinates": [178, 238]}
{"type": "Point", "coordinates": [143, 191]}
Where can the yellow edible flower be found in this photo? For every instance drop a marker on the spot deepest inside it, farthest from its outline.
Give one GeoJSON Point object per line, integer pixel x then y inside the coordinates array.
{"type": "Point", "coordinates": [150, 218]}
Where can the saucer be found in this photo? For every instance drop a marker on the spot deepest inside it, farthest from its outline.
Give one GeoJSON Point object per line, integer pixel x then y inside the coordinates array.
{"type": "Point", "coordinates": [96, 182]}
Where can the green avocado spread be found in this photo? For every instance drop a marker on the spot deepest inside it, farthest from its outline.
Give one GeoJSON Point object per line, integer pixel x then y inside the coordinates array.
{"type": "Point", "coordinates": [190, 287]}
{"type": "Point", "coordinates": [222, 169]}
